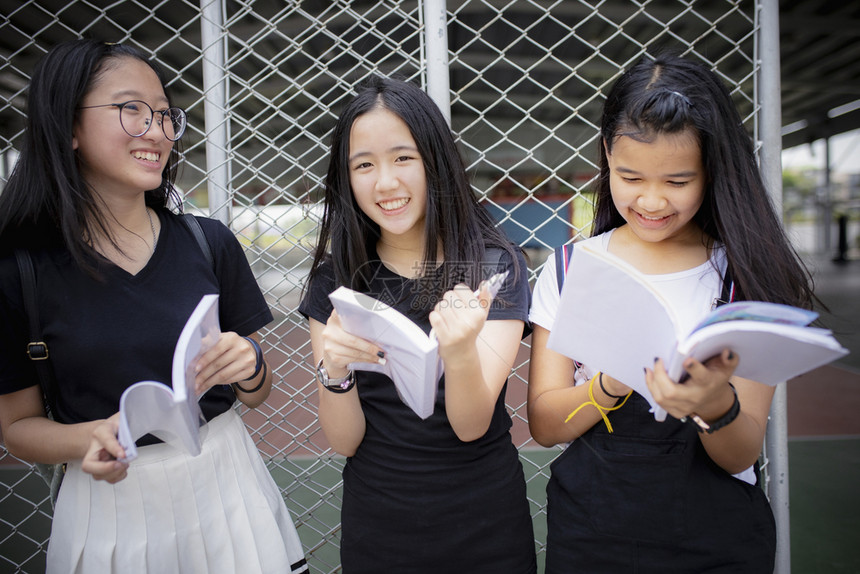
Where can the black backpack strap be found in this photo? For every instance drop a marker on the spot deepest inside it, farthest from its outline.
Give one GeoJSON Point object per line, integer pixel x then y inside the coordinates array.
{"type": "Point", "coordinates": [728, 293]}
{"type": "Point", "coordinates": [196, 230]}
{"type": "Point", "coordinates": [562, 262]}
{"type": "Point", "coordinates": [37, 349]}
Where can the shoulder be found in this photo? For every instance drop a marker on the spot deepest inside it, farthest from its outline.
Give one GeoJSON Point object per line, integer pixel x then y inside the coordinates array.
{"type": "Point", "coordinates": [547, 290]}
{"type": "Point", "coordinates": [315, 303]}
{"type": "Point", "coordinates": [514, 298]}
{"type": "Point", "coordinates": [546, 293]}
{"type": "Point", "coordinates": [214, 230]}
{"type": "Point", "coordinates": [10, 278]}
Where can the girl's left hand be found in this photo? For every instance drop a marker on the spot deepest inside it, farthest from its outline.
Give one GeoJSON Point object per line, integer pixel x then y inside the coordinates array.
{"type": "Point", "coordinates": [231, 359]}
{"type": "Point", "coordinates": [705, 393]}
{"type": "Point", "coordinates": [458, 318]}
{"type": "Point", "coordinates": [101, 458]}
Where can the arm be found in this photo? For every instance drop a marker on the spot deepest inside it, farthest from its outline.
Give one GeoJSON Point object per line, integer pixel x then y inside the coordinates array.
{"type": "Point", "coordinates": [552, 395]}
{"type": "Point", "coordinates": [233, 360]}
{"type": "Point", "coordinates": [478, 356]}
{"type": "Point", "coordinates": [31, 436]}
{"type": "Point", "coordinates": [340, 414]}
{"type": "Point", "coordinates": [706, 393]}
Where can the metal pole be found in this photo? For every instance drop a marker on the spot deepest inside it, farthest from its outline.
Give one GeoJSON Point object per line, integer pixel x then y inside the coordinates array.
{"type": "Point", "coordinates": [436, 46]}
{"type": "Point", "coordinates": [215, 108]}
{"type": "Point", "coordinates": [827, 220]}
{"type": "Point", "coordinates": [776, 444]}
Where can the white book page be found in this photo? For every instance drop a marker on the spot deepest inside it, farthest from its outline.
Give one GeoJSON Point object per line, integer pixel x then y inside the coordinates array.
{"type": "Point", "coordinates": [611, 320]}
{"type": "Point", "coordinates": [768, 352]}
{"type": "Point", "coordinates": [173, 415]}
{"type": "Point", "coordinates": [412, 358]}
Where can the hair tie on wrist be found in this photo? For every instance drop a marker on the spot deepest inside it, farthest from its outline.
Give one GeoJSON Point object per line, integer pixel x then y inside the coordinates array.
{"type": "Point", "coordinates": [605, 392]}
{"type": "Point", "coordinates": [600, 408]}
{"type": "Point", "coordinates": [259, 385]}
{"type": "Point", "coordinates": [259, 352]}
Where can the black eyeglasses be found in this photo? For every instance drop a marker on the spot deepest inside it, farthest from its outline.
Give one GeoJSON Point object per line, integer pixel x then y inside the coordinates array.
{"type": "Point", "coordinates": [136, 117]}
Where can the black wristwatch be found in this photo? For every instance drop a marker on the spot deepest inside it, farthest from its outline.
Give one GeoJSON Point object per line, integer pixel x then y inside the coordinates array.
{"type": "Point", "coordinates": [724, 420]}
{"type": "Point", "coordinates": [338, 385]}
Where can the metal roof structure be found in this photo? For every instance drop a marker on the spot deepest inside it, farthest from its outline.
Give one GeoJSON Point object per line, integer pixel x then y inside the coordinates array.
{"type": "Point", "coordinates": [820, 54]}
{"type": "Point", "coordinates": [820, 68]}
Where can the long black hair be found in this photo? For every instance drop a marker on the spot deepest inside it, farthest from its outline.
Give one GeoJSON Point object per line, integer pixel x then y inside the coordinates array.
{"type": "Point", "coordinates": [668, 95]}
{"type": "Point", "coordinates": [453, 219]}
{"type": "Point", "coordinates": [46, 200]}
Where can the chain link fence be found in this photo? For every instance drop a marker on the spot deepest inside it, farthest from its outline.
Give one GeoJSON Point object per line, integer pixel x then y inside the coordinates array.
{"type": "Point", "coordinates": [263, 82]}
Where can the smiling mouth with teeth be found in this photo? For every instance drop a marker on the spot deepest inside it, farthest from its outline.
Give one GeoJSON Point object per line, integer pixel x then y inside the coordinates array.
{"type": "Point", "coordinates": [393, 204]}
{"type": "Point", "coordinates": [147, 155]}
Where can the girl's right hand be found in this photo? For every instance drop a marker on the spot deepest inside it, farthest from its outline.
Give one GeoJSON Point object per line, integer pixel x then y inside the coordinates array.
{"type": "Point", "coordinates": [101, 459]}
{"type": "Point", "coordinates": [340, 348]}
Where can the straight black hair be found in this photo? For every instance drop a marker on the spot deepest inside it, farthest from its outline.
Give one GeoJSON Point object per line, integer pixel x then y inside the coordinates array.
{"type": "Point", "coordinates": [668, 95]}
{"type": "Point", "coordinates": [453, 219]}
{"type": "Point", "coordinates": [46, 200]}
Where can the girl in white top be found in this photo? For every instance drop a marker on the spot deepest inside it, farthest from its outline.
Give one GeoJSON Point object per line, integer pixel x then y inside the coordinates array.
{"type": "Point", "coordinates": [680, 198]}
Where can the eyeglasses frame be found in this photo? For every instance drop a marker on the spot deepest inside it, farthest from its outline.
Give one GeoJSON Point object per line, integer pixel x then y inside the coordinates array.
{"type": "Point", "coordinates": [152, 113]}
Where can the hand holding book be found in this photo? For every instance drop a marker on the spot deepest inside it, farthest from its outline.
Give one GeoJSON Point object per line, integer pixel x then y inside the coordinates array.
{"type": "Point", "coordinates": [172, 413]}
{"type": "Point", "coordinates": [412, 357]}
{"type": "Point", "coordinates": [612, 319]}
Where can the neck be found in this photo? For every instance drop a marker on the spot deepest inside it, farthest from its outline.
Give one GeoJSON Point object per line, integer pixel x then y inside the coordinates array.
{"type": "Point", "coordinates": [668, 256]}
{"type": "Point", "coordinates": [131, 233]}
{"type": "Point", "coordinates": [405, 258]}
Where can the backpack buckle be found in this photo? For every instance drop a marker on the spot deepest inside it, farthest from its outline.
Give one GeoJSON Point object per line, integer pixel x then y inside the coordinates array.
{"type": "Point", "coordinates": [37, 351]}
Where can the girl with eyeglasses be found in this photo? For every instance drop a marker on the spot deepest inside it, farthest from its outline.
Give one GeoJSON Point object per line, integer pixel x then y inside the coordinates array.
{"type": "Point", "coordinates": [117, 275]}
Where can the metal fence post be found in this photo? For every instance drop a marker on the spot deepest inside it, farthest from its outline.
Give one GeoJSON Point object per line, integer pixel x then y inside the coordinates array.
{"type": "Point", "coordinates": [776, 445]}
{"type": "Point", "coordinates": [436, 55]}
{"type": "Point", "coordinates": [215, 108]}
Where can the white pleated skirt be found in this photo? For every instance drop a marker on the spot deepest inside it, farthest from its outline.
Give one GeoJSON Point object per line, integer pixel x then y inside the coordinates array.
{"type": "Point", "coordinates": [218, 512]}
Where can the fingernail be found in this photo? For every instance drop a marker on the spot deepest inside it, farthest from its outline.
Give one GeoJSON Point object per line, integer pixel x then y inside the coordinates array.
{"type": "Point", "coordinates": [731, 356]}
{"type": "Point", "coordinates": [380, 354]}
{"type": "Point", "coordinates": [656, 359]}
{"type": "Point", "coordinates": [382, 361]}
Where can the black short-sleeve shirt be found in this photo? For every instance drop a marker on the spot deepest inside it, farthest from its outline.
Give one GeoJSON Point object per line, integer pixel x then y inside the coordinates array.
{"type": "Point", "coordinates": [416, 497]}
{"type": "Point", "coordinates": [109, 333]}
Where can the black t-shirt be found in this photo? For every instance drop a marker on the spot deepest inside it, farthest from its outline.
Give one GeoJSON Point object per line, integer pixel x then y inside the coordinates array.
{"type": "Point", "coordinates": [416, 497]}
{"type": "Point", "coordinates": [105, 335]}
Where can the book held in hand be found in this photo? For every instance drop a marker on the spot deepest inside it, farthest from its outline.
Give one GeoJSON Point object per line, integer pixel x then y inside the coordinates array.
{"type": "Point", "coordinates": [172, 414]}
{"type": "Point", "coordinates": [612, 319]}
{"type": "Point", "coordinates": [412, 356]}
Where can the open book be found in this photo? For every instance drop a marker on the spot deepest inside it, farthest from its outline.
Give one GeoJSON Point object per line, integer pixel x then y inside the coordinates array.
{"type": "Point", "coordinates": [612, 319]}
{"type": "Point", "coordinates": [172, 415]}
{"type": "Point", "coordinates": [412, 357]}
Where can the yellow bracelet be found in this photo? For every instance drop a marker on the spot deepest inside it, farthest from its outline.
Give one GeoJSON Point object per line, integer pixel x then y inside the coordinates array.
{"type": "Point", "coordinates": [601, 409]}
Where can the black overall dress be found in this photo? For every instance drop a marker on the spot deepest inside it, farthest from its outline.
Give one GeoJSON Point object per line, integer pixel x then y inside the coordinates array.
{"type": "Point", "coordinates": [647, 498]}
